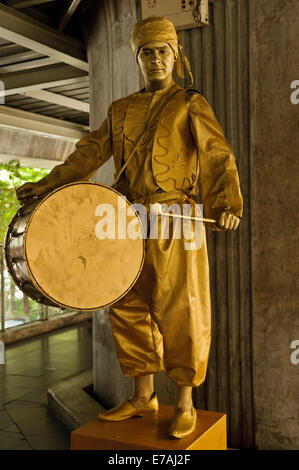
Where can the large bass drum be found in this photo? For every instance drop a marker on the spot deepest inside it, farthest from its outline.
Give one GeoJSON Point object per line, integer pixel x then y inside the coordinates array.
{"type": "Point", "coordinates": [58, 255]}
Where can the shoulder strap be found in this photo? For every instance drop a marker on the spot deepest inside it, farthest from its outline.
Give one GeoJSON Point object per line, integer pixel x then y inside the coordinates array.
{"type": "Point", "coordinates": [193, 90]}
{"type": "Point", "coordinates": [151, 121]}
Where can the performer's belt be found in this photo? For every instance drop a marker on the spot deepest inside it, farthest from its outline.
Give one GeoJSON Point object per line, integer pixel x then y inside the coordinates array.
{"type": "Point", "coordinates": [158, 197]}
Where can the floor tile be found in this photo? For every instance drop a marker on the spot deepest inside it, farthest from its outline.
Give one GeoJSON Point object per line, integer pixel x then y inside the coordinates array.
{"type": "Point", "coordinates": [5, 420]}
{"type": "Point", "coordinates": [37, 396]}
{"type": "Point", "coordinates": [13, 428]}
{"type": "Point", "coordinates": [13, 393]}
{"type": "Point", "coordinates": [15, 404]}
{"type": "Point", "coordinates": [34, 372]}
{"type": "Point", "coordinates": [41, 425]}
{"type": "Point", "coordinates": [12, 381]}
{"type": "Point", "coordinates": [19, 413]}
{"type": "Point", "coordinates": [53, 441]}
{"type": "Point", "coordinates": [24, 446]}
{"type": "Point", "coordinates": [9, 440]}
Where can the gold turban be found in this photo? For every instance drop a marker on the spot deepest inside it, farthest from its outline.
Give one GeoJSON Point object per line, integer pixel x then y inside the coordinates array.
{"type": "Point", "coordinates": [157, 28]}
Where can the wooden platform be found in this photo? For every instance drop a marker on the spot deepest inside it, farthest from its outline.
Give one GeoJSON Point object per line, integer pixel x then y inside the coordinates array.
{"type": "Point", "coordinates": [150, 433]}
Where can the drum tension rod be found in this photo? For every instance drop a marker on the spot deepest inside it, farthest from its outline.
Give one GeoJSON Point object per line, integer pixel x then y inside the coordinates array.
{"type": "Point", "coordinates": [14, 233]}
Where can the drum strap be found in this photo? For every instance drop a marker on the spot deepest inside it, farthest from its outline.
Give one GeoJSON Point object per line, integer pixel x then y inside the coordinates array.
{"type": "Point", "coordinates": [149, 125]}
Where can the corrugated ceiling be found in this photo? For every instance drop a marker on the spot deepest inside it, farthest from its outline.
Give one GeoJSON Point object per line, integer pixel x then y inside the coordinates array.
{"type": "Point", "coordinates": [68, 99]}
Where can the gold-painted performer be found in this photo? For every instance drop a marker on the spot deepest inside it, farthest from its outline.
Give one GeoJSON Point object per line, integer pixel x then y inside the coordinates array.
{"type": "Point", "coordinates": [165, 320]}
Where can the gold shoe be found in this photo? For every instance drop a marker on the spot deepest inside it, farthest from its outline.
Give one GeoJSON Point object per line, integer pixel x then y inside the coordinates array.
{"type": "Point", "coordinates": [126, 410]}
{"type": "Point", "coordinates": [183, 423]}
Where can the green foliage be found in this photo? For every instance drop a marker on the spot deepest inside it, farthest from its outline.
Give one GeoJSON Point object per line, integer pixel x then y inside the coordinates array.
{"type": "Point", "coordinates": [12, 176]}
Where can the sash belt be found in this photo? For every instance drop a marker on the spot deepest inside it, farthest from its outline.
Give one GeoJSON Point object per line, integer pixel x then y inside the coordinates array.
{"type": "Point", "coordinates": [158, 197]}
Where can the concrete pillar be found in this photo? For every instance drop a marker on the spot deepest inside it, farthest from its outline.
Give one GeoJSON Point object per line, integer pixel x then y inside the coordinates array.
{"type": "Point", "coordinates": [109, 384]}
{"type": "Point", "coordinates": [274, 65]}
{"type": "Point", "coordinates": [112, 67]}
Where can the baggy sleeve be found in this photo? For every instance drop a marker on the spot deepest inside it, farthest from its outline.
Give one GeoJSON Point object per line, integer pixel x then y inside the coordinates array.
{"type": "Point", "coordinates": [92, 151]}
{"type": "Point", "coordinates": [218, 174]}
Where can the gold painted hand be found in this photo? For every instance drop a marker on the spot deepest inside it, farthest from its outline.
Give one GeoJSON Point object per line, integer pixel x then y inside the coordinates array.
{"type": "Point", "coordinates": [228, 221]}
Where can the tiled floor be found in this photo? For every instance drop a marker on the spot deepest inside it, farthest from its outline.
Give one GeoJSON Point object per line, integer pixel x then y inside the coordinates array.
{"type": "Point", "coordinates": [31, 367]}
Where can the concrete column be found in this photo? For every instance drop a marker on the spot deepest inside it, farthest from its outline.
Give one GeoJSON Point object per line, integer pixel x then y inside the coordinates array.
{"type": "Point", "coordinates": [113, 71]}
{"type": "Point", "coordinates": [274, 65]}
{"type": "Point", "coordinates": [109, 384]}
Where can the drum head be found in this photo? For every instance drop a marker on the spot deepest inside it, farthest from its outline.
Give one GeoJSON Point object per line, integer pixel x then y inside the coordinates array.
{"type": "Point", "coordinates": [67, 259]}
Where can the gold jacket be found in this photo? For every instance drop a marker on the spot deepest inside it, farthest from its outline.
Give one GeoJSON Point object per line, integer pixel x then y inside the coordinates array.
{"type": "Point", "coordinates": [188, 144]}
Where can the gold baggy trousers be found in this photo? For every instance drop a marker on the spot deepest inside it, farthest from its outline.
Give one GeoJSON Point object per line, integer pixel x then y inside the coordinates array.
{"type": "Point", "coordinates": [164, 321]}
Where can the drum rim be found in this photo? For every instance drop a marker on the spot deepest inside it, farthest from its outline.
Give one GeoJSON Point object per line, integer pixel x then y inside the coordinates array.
{"type": "Point", "coordinates": [34, 281]}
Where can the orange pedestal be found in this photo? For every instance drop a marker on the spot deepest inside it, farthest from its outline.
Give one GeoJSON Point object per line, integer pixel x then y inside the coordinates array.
{"type": "Point", "coordinates": [150, 433]}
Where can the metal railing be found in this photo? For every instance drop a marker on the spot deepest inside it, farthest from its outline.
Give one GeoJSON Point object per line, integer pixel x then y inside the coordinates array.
{"type": "Point", "coordinates": [36, 311]}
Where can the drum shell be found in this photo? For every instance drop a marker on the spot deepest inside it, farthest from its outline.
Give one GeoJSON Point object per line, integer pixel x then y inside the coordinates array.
{"type": "Point", "coordinates": [14, 255]}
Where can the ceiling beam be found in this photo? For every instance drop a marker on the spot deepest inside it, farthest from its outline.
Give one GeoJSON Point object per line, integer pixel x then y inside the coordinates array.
{"type": "Point", "coordinates": [27, 32]}
{"type": "Point", "coordinates": [70, 9]}
{"type": "Point", "coordinates": [30, 162]}
{"type": "Point", "coordinates": [25, 3]}
{"type": "Point", "coordinates": [10, 49]}
{"type": "Point", "coordinates": [29, 64]}
{"type": "Point", "coordinates": [12, 118]}
{"type": "Point", "coordinates": [40, 78]}
{"type": "Point", "coordinates": [18, 57]}
{"type": "Point", "coordinates": [61, 100]}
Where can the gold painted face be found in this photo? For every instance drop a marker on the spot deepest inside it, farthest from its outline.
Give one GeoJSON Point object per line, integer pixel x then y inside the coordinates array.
{"type": "Point", "coordinates": [156, 60]}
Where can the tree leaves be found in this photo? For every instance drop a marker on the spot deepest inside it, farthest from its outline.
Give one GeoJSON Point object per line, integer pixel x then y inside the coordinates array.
{"type": "Point", "coordinates": [12, 175]}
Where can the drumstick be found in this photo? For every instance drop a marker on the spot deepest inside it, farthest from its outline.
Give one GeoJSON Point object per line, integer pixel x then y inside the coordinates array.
{"type": "Point", "coordinates": [200, 219]}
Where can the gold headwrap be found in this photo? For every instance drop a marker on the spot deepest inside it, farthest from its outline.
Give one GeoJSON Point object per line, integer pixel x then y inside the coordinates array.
{"type": "Point", "coordinates": [157, 28]}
